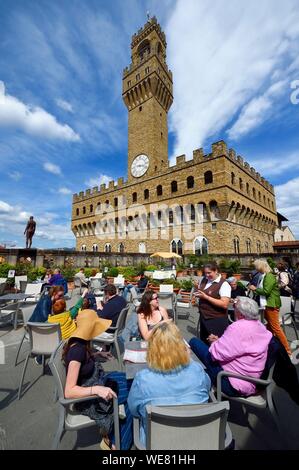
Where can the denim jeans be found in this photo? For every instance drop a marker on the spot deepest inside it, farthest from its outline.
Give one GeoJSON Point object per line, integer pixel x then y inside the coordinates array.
{"type": "Point", "coordinates": [212, 367]}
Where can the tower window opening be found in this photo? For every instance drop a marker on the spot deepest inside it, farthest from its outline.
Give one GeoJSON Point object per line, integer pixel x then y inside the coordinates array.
{"type": "Point", "coordinates": [140, 108]}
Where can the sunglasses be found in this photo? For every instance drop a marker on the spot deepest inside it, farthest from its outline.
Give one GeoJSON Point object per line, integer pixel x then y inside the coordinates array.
{"type": "Point", "coordinates": [154, 298]}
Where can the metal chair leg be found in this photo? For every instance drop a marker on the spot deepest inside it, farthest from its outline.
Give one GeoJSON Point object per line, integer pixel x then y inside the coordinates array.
{"type": "Point", "coordinates": [23, 375]}
{"type": "Point", "coordinates": [60, 430]}
{"type": "Point", "coordinates": [19, 349]}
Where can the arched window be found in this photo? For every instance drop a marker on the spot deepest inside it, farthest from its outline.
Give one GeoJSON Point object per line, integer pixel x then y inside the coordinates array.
{"type": "Point", "coordinates": [247, 188]}
{"type": "Point", "coordinates": [107, 203]}
{"type": "Point", "coordinates": [83, 248]}
{"type": "Point", "coordinates": [214, 210]}
{"type": "Point", "coordinates": [107, 248]}
{"type": "Point", "coordinates": [208, 177]}
{"type": "Point", "coordinates": [121, 248]}
{"type": "Point", "coordinates": [258, 247]}
{"type": "Point", "coordinates": [233, 178]}
{"type": "Point", "coordinates": [84, 210]}
{"type": "Point", "coordinates": [134, 197]}
{"type": "Point", "coordinates": [236, 245]}
{"type": "Point", "coordinates": [248, 246]}
{"type": "Point", "coordinates": [267, 247]}
{"type": "Point", "coordinates": [202, 211]}
{"type": "Point", "coordinates": [174, 186]}
{"type": "Point", "coordinates": [159, 190]}
{"type": "Point", "coordinates": [146, 194]}
{"type": "Point", "coordinates": [190, 182]}
{"type": "Point", "coordinates": [115, 202]}
{"type": "Point", "coordinates": [77, 211]}
{"type": "Point", "coordinates": [254, 193]}
{"type": "Point", "coordinates": [200, 245]}
{"type": "Point", "coordinates": [91, 208]}
{"type": "Point", "coordinates": [170, 217]}
{"type": "Point", "coordinates": [260, 196]}
{"type": "Point", "coordinates": [192, 213]}
{"type": "Point", "coordinates": [240, 183]}
{"type": "Point", "coordinates": [177, 246]}
{"type": "Point", "coordinates": [144, 49]}
{"type": "Point", "coordinates": [95, 247]}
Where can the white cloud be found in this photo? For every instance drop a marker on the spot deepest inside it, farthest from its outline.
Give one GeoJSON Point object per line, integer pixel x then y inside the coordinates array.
{"type": "Point", "coordinates": [32, 120]}
{"type": "Point", "coordinates": [65, 105]}
{"type": "Point", "coordinates": [287, 200]}
{"type": "Point", "coordinates": [64, 191]}
{"type": "Point", "coordinates": [274, 165]}
{"type": "Point", "coordinates": [13, 221]}
{"type": "Point", "coordinates": [5, 208]}
{"type": "Point", "coordinates": [98, 180]}
{"type": "Point", "coordinates": [223, 55]}
{"type": "Point", "coordinates": [257, 110]}
{"type": "Point", "coordinates": [52, 168]}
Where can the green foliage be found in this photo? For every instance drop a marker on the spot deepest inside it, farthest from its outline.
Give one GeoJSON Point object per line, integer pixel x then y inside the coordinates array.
{"type": "Point", "coordinates": [151, 267]}
{"type": "Point", "coordinates": [68, 272]}
{"type": "Point", "coordinates": [271, 262]}
{"type": "Point", "coordinates": [35, 273]}
{"type": "Point", "coordinates": [112, 272]}
{"type": "Point", "coordinates": [187, 285]}
{"type": "Point", "coordinates": [155, 282]}
{"type": "Point", "coordinates": [128, 271]}
{"type": "Point", "coordinates": [172, 281]}
{"type": "Point", "coordinates": [140, 267]}
{"type": "Point", "coordinates": [229, 266]}
{"type": "Point", "coordinates": [4, 268]}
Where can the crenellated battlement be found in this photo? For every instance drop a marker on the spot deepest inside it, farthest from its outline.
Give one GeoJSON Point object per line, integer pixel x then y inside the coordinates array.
{"type": "Point", "coordinates": [150, 25]}
{"type": "Point", "coordinates": [220, 149]}
{"type": "Point", "coordinates": [104, 188]}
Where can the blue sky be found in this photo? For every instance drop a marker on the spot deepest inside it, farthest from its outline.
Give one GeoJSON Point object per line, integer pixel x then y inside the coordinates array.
{"type": "Point", "coordinates": [63, 125]}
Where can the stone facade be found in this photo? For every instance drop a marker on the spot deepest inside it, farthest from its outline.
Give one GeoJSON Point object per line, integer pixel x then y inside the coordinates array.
{"type": "Point", "coordinates": [214, 203]}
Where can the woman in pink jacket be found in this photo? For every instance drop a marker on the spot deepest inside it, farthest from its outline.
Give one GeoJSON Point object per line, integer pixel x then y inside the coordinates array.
{"type": "Point", "coordinates": [242, 349]}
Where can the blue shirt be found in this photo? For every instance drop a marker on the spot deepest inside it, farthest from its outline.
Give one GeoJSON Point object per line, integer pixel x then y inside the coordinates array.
{"type": "Point", "coordinates": [42, 310]}
{"type": "Point", "coordinates": [185, 386]}
{"type": "Point", "coordinates": [112, 309]}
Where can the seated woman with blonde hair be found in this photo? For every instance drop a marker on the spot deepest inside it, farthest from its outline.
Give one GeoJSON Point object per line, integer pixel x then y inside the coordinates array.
{"type": "Point", "coordinates": [172, 378]}
{"type": "Point", "coordinates": [150, 313]}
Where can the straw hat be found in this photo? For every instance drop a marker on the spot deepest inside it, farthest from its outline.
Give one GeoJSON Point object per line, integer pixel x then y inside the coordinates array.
{"type": "Point", "coordinates": [89, 325]}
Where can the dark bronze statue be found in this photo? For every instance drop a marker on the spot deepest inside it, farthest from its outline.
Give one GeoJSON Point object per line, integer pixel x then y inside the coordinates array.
{"type": "Point", "coordinates": [29, 231]}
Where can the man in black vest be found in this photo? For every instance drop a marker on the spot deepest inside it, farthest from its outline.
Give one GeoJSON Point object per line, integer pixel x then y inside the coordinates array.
{"type": "Point", "coordinates": [214, 294]}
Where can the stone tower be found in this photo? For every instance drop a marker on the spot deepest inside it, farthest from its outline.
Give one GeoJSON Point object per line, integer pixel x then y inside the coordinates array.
{"type": "Point", "coordinates": [147, 94]}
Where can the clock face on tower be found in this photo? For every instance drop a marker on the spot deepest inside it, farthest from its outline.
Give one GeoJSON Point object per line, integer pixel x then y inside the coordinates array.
{"type": "Point", "coordinates": [139, 165]}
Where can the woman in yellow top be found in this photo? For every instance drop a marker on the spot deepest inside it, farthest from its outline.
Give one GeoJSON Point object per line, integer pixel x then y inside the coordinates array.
{"type": "Point", "coordinates": [66, 318]}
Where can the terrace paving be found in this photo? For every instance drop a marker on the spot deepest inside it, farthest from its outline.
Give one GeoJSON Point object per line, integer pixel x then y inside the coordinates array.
{"type": "Point", "coordinates": [30, 423]}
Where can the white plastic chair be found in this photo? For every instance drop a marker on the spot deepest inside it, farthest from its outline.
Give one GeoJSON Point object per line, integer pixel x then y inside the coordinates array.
{"type": "Point", "coordinates": [286, 316]}
{"type": "Point", "coordinates": [189, 427]}
{"type": "Point", "coordinates": [69, 418]}
{"type": "Point", "coordinates": [33, 290]}
{"type": "Point", "coordinates": [18, 279]}
{"type": "Point", "coordinates": [26, 314]}
{"type": "Point", "coordinates": [167, 300]}
{"type": "Point", "coordinates": [112, 336]}
{"type": "Point", "coordinates": [44, 339]}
